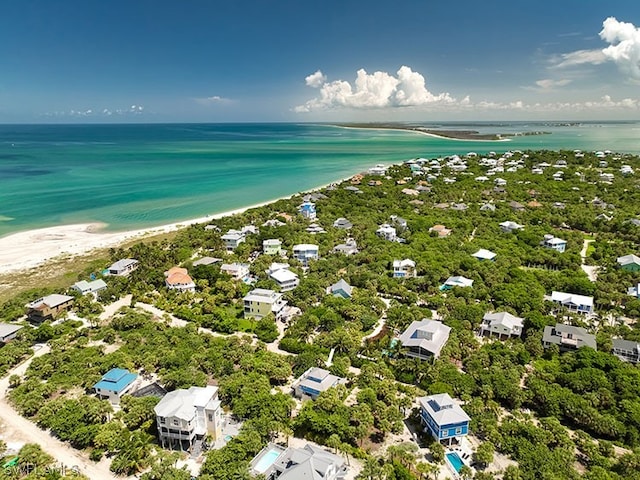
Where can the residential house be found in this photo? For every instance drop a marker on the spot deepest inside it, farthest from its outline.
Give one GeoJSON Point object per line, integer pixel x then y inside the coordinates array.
{"type": "Point", "coordinates": [379, 169]}
{"type": "Point", "coordinates": [554, 243]}
{"type": "Point", "coordinates": [232, 239]}
{"type": "Point", "coordinates": [424, 339]}
{"type": "Point", "coordinates": [272, 246]}
{"type": "Point", "coordinates": [185, 417]}
{"type": "Point", "coordinates": [260, 302]}
{"type": "Point", "coordinates": [488, 207]}
{"type": "Point", "coordinates": [502, 324]}
{"type": "Point", "coordinates": [516, 206]}
{"type": "Point", "coordinates": [567, 337]}
{"type": "Point", "coordinates": [308, 210]}
{"type": "Point", "coordinates": [340, 289]}
{"type": "Point", "coordinates": [237, 271]}
{"type": "Point", "coordinates": [404, 268]}
{"type": "Point", "coordinates": [509, 226]}
{"type": "Point", "coordinates": [314, 228]}
{"type": "Point", "coordinates": [310, 462]}
{"type": "Point", "coordinates": [443, 418]}
{"type": "Point", "coordinates": [8, 332]}
{"type": "Point", "coordinates": [573, 303]}
{"type": "Point", "coordinates": [315, 381]}
{"type": "Point", "coordinates": [634, 291]}
{"type": "Point", "coordinates": [460, 207]}
{"type": "Point", "coordinates": [49, 307]}
{"type": "Point", "coordinates": [177, 278]}
{"type": "Point", "coordinates": [122, 267]}
{"type": "Point", "coordinates": [349, 247]}
{"type": "Point", "coordinates": [629, 263]}
{"type": "Point", "coordinates": [411, 192]}
{"type": "Point", "coordinates": [441, 230]}
{"type": "Point", "coordinates": [285, 278]}
{"type": "Point", "coordinates": [305, 252]}
{"type": "Point", "coordinates": [399, 222]}
{"type": "Point", "coordinates": [483, 254]}
{"type": "Point", "coordinates": [206, 261]}
{"type": "Point", "coordinates": [94, 287]}
{"type": "Point", "coordinates": [387, 232]}
{"type": "Point", "coordinates": [626, 350]}
{"type": "Point", "coordinates": [342, 223]}
{"type": "Point", "coordinates": [114, 384]}
{"type": "Point", "coordinates": [457, 281]}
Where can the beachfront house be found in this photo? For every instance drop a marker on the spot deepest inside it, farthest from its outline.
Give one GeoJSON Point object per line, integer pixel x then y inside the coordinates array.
{"type": "Point", "coordinates": [8, 332]}
{"type": "Point", "coordinates": [443, 418]}
{"type": "Point", "coordinates": [236, 270]}
{"type": "Point", "coordinates": [626, 350]}
{"type": "Point", "coordinates": [340, 289]}
{"type": "Point", "coordinates": [483, 254]}
{"type": "Point", "coordinates": [572, 302]}
{"type": "Point", "coordinates": [404, 268]}
{"type": "Point", "coordinates": [260, 302]}
{"type": "Point", "coordinates": [308, 210]}
{"type": "Point", "coordinates": [122, 267]}
{"type": "Point", "coordinates": [49, 307]}
{"type": "Point", "coordinates": [510, 227]}
{"type": "Point", "coordinates": [629, 263]}
{"type": "Point", "coordinates": [554, 243]}
{"type": "Point", "coordinates": [114, 384]}
{"type": "Point", "coordinates": [310, 462]}
{"type": "Point", "coordinates": [502, 324]}
{"type": "Point", "coordinates": [232, 239]}
{"type": "Point", "coordinates": [305, 252]}
{"type": "Point", "coordinates": [285, 278]}
{"type": "Point", "coordinates": [177, 278]}
{"type": "Point", "coordinates": [567, 337]}
{"type": "Point", "coordinates": [272, 246]}
{"type": "Point", "coordinates": [94, 287]}
{"type": "Point", "coordinates": [349, 247]}
{"type": "Point", "coordinates": [185, 417]}
{"type": "Point", "coordinates": [387, 232]}
{"type": "Point", "coordinates": [315, 381]}
{"type": "Point", "coordinates": [424, 339]}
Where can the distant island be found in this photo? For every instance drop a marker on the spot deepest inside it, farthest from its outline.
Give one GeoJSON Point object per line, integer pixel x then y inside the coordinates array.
{"type": "Point", "coordinates": [452, 134]}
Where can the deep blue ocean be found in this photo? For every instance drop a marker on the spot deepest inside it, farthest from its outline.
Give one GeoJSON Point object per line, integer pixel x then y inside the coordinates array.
{"type": "Point", "coordinates": [133, 176]}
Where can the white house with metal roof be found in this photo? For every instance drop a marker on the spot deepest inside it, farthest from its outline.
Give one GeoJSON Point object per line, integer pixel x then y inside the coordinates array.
{"type": "Point", "coordinates": [310, 462]}
{"type": "Point", "coordinates": [94, 287]}
{"type": "Point", "coordinates": [484, 254]}
{"type": "Point", "coordinates": [185, 417]}
{"type": "Point", "coordinates": [404, 268]}
{"type": "Point", "coordinates": [424, 339]}
{"type": "Point", "coordinates": [572, 302]}
{"type": "Point", "coordinates": [122, 267]}
{"type": "Point", "coordinates": [8, 332]}
{"type": "Point", "coordinates": [502, 324]}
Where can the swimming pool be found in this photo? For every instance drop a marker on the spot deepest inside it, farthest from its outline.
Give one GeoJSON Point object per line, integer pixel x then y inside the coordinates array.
{"type": "Point", "coordinates": [267, 460]}
{"type": "Point", "coordinates": [455, 461]}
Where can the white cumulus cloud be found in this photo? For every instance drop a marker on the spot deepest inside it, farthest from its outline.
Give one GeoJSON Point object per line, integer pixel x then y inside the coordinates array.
{"type": "Point", "coordinates": [373, 90]}
{"type": "Point", "coordinates": [212, 100]}
{"type": "Point", "coordinates": [548, 83]}
{"type": "Point", "coordinates": [624, 48]}
{"type": "Point", "coordinates": [315, 80]}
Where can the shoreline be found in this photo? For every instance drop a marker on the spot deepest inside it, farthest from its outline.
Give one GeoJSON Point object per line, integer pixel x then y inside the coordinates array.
{"type": "Point", "coordinates": [22, 251]}
{"type": "Point", "coordinates": [429, 133]}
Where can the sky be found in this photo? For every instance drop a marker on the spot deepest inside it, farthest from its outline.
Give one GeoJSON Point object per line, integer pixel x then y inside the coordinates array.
{"type": "Point", "coordinates": [310, 61]}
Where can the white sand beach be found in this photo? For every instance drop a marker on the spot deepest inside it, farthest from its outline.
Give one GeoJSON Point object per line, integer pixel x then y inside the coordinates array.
{"type": "Point", "coordinates": [29, 249]}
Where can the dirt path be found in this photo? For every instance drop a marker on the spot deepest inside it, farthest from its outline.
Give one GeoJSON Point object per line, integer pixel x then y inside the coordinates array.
{"type": "Point", "coordinates": [590, 270]}
{"type": "Point", "coordinates": [18, 430]}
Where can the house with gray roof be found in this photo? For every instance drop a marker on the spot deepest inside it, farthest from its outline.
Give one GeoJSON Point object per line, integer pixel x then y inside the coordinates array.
{"type": "Point", "coordinates": [554, 243]}
{"type": "Point", "coordinates": [185, 417]}
{"type": "Point", "coordinates": [340, 289]}
{"type": "Point", "coordinates": [315, 381]}
{"type": "Point", "coordinates": [94, 287]}
{"type": "Point", "coordinates": [567, 337]}
{"type": "Point", "coordinates": [629, 263]}
{"type": "Point", "coordinates": [122, 267]}
{"type": "Point", "coordinates": [484, 254]}
{"type": "Point", "coordinates": [502, 324]}
{"type": "Point", "coordinates": [424, 339]}
{"type": "Point", "coordinates": [49, 307]}
{"type": "Point", "coordinates": [626, 350]}
{"type": "Point", "coordinates": [509, 226]}
{"type": "Point", "coordinates": [8, 332]}
{"type": "Point", "coordinates": [443, 418]}
{"type": "Point", "coordinates": [308, 463]}
{"type": "Point", "coordinates": [342, 223]}
{"type": "Point", "coordinates": [349, 247]}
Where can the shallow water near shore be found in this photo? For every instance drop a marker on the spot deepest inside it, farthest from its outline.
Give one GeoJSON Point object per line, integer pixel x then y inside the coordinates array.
{"type": "Point", "coordinates": [137, 176]}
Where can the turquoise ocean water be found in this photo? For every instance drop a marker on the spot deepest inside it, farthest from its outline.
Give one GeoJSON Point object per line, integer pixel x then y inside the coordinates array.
{"type": "Point", "coordinates": [134, 176]}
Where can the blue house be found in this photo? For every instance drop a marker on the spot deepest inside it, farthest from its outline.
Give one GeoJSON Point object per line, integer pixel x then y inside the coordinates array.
{"type": "Point", "coordinates": [114, 384]}
{"type": "Point", "coordinates": [308, 210]}
{"type": "Point", "coordinates": [444, 419]}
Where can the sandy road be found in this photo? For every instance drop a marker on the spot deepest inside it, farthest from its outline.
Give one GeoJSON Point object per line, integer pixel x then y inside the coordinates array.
{"type": "Point", "coordinates": [19, 430]}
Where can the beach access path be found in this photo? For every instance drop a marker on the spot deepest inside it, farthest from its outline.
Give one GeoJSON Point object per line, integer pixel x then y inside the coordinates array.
{"type": "Point", "coordinates": [17, 430]}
